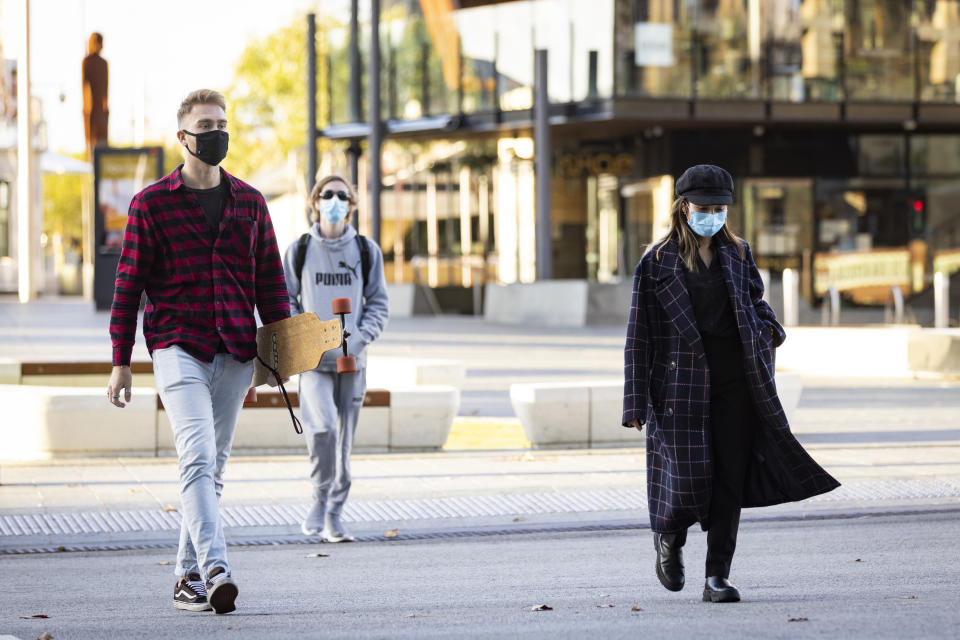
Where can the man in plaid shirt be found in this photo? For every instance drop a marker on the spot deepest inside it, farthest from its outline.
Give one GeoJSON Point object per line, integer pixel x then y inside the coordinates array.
{"type": "Point", "coordinates": [201, 245]}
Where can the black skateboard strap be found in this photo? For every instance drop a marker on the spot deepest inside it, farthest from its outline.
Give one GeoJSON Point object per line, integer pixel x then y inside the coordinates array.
{"type": "Point", "coordinates": [283, 392]}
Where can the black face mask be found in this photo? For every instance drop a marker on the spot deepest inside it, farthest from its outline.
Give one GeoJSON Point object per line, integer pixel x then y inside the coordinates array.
{"type": "Point", "coordinates": [211, 146]}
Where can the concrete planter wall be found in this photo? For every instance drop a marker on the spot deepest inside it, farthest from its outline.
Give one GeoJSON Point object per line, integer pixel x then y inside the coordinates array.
{"type": "Point", "coordinates": [558, 303]}
{"type": "Point", "coordinates": [588, 413]}
{"type": "Point", "coordinates": [419, 418]}
{"type": "Point", "coordinates": [49, 422]}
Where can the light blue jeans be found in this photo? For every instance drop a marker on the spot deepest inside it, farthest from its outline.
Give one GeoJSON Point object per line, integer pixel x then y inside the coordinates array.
{"type": "Point", "coordinates": [203, 401]}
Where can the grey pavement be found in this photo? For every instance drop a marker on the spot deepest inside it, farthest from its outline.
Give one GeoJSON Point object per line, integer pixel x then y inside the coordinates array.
{"type": "Point", "coordinates": [870, 577]}
{"type": "Point", "coordinates": [132, 502]}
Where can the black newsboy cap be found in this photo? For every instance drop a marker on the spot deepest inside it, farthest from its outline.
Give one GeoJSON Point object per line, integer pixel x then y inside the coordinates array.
{"type": "Point", "coordinates": [705, 184]}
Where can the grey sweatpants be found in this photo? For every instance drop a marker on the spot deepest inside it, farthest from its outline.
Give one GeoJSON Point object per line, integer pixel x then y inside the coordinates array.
{"type": "Point", "coordinates": [330, 406]}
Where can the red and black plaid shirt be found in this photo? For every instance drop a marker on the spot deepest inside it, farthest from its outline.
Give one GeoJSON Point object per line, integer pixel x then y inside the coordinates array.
{"type": "Point", "coordinates": [201, 288]}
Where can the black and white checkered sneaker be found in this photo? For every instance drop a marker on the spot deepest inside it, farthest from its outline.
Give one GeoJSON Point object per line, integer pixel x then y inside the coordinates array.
{"type": "Point", "coordinates": [191, 594]}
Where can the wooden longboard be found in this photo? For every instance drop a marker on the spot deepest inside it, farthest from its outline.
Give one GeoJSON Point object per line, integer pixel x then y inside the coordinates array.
{"type": "Point", "coordinates": [294, 345]}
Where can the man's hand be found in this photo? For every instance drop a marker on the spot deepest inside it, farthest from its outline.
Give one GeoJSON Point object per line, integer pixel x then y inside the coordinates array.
{"type": "Point", "coordinates": [120, 380]}
{"type": "Point", "coordinates": [251, 396]}
{"type": "Point", "coordinates": [636, 425]}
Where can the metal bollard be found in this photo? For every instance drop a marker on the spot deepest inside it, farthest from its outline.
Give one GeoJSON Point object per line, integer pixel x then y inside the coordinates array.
{"type": "Point", "coordinates": [791, 298]}
{"type": "Point", "coordinates": [941, 300]}
{"type": "Point", "coordinates": [833, 316]}
{"type": "Point", "coordinates": [896, 295]}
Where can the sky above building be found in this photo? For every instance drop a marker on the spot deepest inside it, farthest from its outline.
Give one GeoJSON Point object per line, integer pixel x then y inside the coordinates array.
{"type": "Point", "coordinates": [157, 52]}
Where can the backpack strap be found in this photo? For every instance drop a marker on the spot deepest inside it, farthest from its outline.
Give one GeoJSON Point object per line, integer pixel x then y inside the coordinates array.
{"type": "Point", "coordinates": [364, 258]}
{"type": "Point", "coordinates": [300, 256]}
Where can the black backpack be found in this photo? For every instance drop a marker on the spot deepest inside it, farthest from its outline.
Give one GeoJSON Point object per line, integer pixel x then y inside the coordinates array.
{"type": "Point", "coordinates": [300, 256]}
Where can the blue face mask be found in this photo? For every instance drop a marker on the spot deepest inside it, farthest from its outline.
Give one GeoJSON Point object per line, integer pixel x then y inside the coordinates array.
{"type": "Point", "coordinates": [334, 210]}
{"type": "Point", "coordinates": [706, 224]}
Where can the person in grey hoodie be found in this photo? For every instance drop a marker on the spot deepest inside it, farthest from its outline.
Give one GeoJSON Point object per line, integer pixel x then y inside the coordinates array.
{"type": "Point", "coordinates": [332, 259]}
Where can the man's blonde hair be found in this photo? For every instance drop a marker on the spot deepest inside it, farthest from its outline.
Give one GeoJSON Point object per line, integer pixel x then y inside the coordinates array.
{"type": "Point", "coordinates": [200, 96]}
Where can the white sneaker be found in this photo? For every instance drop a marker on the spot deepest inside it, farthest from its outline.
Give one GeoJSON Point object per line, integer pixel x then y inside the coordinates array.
{"type": "Point", "coordinates": [333, 529]}
{"type": "Point", "coordinates": [313, 524]}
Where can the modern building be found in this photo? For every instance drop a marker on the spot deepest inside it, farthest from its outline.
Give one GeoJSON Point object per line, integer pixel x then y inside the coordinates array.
{"type": "Point", "coordinates": [840, 120]}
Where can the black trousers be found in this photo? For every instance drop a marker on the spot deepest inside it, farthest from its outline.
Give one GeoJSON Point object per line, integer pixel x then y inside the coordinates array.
{"type": "Point", "coordinates": [732, 430]}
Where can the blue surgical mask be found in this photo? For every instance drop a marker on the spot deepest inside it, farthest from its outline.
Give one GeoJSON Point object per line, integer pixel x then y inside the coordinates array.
{"type": "Point", "coordinates": [334, 210]}
{"type": "Point", "coordinates": [706, 224]}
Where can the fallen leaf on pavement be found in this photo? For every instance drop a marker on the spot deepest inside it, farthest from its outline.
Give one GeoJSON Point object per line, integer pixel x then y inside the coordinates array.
{"type": "Point", "coordinates": [233, 628]}
{"type": "Point", "coordinates": [164, 563]}
{"type": "Point", "coordinates": [61, 548]}
{"type": "Point", "coordinates": [909, 597]}
{"type": "Point", "coordinates": [605, 606]}
{"type": "Point", "coordinates": [858, 560]}
{"type": "Point", "coordinates": [636, 608]}
{"type": "Point", "coordinates": [318, 555]}
{"type": "Point", "coordinates": [391, 534]}
{"type": "Point", "coordinates": [45, 636]}
{"type": "Point", "coordinates": [541, 607]}
{"type": "Point", "coordinates": [519, 519]}
{"type": "Point", "coordinates": [36, 615]}
{"type": "Point", "coordinates": [526, 457]}
{"type": "Point", "coordinates": [74, 484]}
{"type": "Point", "coordinates": [797, 620]}
{"type": "Point", "coordinates": [169, 507]}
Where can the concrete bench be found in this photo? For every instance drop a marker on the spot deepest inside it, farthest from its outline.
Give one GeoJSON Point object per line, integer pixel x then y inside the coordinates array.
{"type": "Point", "coordinates": [381, 372]}
{"type": "Point", "coordinates": [935, 351]}
{"type": "Point", "coordinates": [69, 374]}
{"type": "Point", "coordinates": [588, 413]}
{"type": "Point", "coordinates": [404, 418]}
{"type": "Point", "coordinates": [43, 422]}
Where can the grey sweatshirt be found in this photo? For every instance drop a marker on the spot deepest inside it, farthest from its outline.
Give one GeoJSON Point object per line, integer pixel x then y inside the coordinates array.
{"type": "Point", "coordinates": [333, 269]}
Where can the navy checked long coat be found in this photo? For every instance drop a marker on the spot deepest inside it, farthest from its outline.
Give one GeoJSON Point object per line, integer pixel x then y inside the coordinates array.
{"type": "Point", "coordinates": [667, 387]}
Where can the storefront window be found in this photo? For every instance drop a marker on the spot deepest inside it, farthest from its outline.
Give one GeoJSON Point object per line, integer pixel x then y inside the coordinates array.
{"type": "Point", "coordinates": [437, 213]}
{"type": "Point", "coordinates": [652, 47]}
{"type": "Point", "coordinates": [881, 155]}
{"type": "Point", "coordinates": [938, 50]}
{"type": "Point", "coordinates": [778, 221]}
{"type": "Point", "coordinates": [727, 50]}
{"type": "Point", "coordinates": [4, 219]}
{"type": "Point", "coordinates": [878, 55]}
{"type": "Point", "coordinates": [939, 207]}
{"type": "Point", "coordinates": [935, 154]}
{"type": "Point", "coordinates": [803, 53]}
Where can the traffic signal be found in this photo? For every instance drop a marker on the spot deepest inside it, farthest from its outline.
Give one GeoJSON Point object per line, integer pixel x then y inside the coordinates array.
{"type": "Point", "coordinates": [917, 215]}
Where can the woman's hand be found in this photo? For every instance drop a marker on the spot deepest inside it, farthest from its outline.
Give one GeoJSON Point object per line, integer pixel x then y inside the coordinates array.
{"type": "Point", "coordinates": [636, 425]}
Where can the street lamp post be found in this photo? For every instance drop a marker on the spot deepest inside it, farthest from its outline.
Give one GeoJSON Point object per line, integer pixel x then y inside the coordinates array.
{"type": "Point", "coordinates": [26, 241]}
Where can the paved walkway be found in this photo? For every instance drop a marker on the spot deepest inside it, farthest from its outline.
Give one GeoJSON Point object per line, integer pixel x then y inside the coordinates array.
{"type": "Point", "coordinates": [126, 503]}
{"type": "Point", "coordinates": [894, 443]}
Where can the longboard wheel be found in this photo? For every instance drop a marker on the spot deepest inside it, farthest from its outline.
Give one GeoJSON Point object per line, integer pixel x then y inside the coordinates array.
{"type": "Point", "coordinates": [346, 364]}
{"type": "Point", "coordinates": [341, 305]}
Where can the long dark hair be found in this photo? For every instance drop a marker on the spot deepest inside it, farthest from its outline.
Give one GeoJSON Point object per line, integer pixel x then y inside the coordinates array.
{"type": "Point", "coordinates": [686, 239]}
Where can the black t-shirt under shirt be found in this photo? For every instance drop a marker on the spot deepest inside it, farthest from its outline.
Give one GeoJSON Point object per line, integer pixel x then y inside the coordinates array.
{"type": "Point", "coordinates": [213, 201]}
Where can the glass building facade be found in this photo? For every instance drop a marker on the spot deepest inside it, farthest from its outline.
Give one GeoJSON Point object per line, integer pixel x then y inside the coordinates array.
{"type": "Point", "coordinates": [840, 120]}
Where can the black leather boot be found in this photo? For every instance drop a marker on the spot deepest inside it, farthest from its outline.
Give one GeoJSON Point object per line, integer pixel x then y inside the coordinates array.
{"type": "Point", "coordinates": [719, 589]}
{"type": "Point", "coordinates": [669, 548]}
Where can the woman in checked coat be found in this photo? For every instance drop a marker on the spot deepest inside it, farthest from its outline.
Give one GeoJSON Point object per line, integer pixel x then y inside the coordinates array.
{"type": "Point", "coordinates": [699, 374]}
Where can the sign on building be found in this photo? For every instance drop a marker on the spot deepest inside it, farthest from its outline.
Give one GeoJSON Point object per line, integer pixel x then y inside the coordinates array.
{"type": "Point", "coordinates": [653, 45]}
